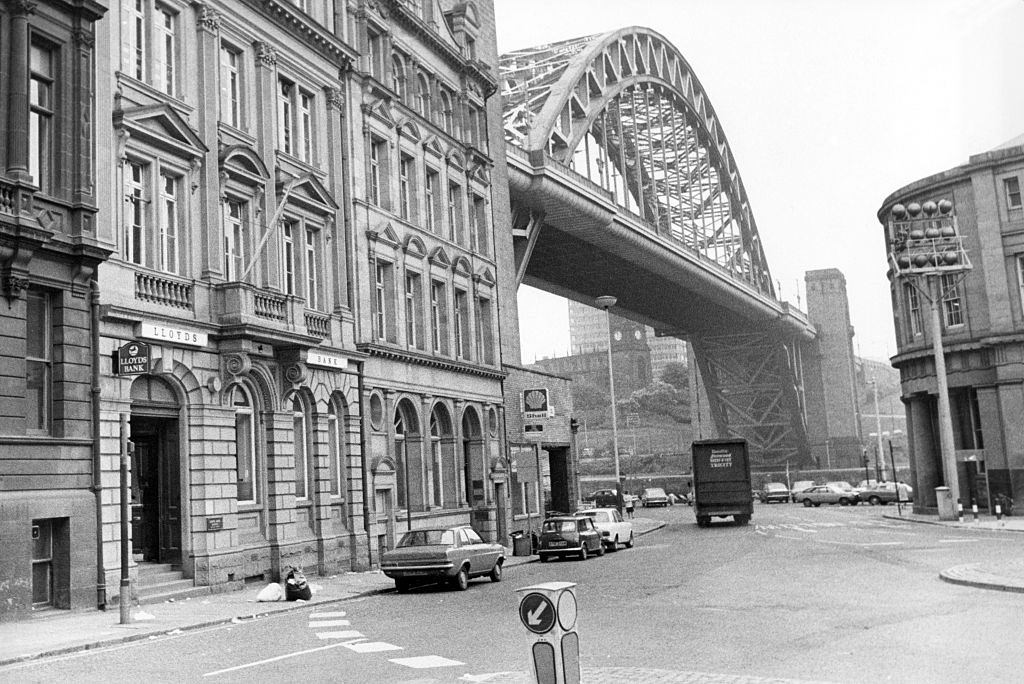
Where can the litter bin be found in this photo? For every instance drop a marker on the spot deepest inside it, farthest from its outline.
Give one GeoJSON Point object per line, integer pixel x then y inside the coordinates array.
{"type": "Point", "coordinates": [947, 507]}
{"type": "Point", "coordinates": [520, 544]}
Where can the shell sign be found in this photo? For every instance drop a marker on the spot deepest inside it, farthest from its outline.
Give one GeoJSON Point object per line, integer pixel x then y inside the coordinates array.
{"type": "Point", "coordinates": [535, 403]}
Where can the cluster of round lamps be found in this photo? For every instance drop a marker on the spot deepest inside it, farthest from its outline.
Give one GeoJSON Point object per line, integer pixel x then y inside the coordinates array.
{"type": "Point", "coordinates": [923, 234]}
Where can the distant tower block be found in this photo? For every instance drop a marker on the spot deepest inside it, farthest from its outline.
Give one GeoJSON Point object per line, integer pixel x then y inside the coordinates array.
{"type": "Point", "coordinates": [829, 374]}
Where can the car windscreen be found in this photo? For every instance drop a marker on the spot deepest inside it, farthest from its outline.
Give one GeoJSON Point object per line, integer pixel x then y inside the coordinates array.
{"type": "Point", "coordinates": [560, 526]}
{"type": "Point", "coordinates": [427, 538]}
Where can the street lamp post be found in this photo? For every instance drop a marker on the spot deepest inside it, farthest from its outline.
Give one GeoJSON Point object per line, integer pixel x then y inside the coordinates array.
{"type": "Point", "coordinates": [926, 245]}
{"type": "Point", "coordinates": [878, 428]}
{"type": "Point", "coordinates": [606, 302]}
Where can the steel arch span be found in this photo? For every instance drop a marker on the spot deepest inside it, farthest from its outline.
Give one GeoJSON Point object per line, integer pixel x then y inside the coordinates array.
{"type": "Point", "coordinates": [625, 110]}
{"type": "Point", "coordinates": [626, 116]}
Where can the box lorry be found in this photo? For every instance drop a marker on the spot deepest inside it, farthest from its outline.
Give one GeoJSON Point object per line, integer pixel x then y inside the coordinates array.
{"type": "Point", "coordinates": [721, 481]}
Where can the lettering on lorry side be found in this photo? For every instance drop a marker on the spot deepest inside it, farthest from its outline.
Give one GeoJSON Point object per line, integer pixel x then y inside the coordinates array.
{"type": "Point", "coordinates": [721, 459]}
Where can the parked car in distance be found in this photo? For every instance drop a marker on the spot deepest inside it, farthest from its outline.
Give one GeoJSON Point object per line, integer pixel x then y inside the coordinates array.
{"type": "Point", "coordinates": [614, 530]}
{"type": "Point", "coordinates": [840, 484]}
{"type": "Point", "coordinates": [603, 498]}
{"type": "Point", "coordinates": [653, 496]}
{"type": "Point", "coordinates": [774, 491]}
{"type": "Point", "coordinates": [453, 554]}
{"type": "Point", "coordinates": [569, 536]}
{"type": "Point", "coordinates": [885, 492]}
{"type": "Point", "coordinates": [830, 494]}
{"type": "Point", "coordinates": [799, 486]}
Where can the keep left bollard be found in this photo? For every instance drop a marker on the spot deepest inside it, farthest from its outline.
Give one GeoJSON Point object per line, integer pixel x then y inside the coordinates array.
{"type": "Point", "coordinates": [548, 610]}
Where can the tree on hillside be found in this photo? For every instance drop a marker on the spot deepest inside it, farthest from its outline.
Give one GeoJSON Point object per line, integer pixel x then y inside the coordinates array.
{"type": "Point", "coordinates": [588, 397]}
{"type": "Point", "coordinates": [676, 374]}
{"type": "Point", "coordinates": [661, 398]}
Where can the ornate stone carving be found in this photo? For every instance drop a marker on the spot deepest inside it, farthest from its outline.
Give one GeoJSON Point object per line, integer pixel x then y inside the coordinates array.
{"type": "Point", "coordinates": [237, 364]}
{"type": "Point", "coordinates": [20, 7]}
{"type": "Point", "coordinates": [335, 97]}
{"type": "Point", "coordinates": [265, 53]}
{"type": "Point", "coordinates": [209, 18]}
{"type": "Point", "coordinates": [13, 286]}
{"type": "Point", "coordinates": [296, 373]}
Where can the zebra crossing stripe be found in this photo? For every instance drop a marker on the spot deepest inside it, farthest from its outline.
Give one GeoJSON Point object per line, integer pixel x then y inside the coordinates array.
{"type": "Point", "coordinates": [423, 662]}
{"type": "Point", "coordinates": [329, 623]}
{"type": "Point", "coordinates": [335, 614]}
{"type": "Point", "coordinates": [372, 647]}
{"type": "Point", "coordinates": [347, 634]}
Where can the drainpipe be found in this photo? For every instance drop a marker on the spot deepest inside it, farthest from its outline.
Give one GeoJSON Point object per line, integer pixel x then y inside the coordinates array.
{"type": "Point", "coordinates": [362, 458]}
{"type": "Point", "coordinates": [97, 475]}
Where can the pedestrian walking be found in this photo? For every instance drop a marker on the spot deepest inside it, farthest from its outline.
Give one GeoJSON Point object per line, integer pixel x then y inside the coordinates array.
{"type": "Point", "coordinates": [628, 498]}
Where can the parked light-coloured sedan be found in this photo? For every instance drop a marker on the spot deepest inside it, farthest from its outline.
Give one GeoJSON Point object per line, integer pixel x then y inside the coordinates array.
{"type": "Point", "coordinates": [454, 554]}
{"type": "Point", "coordinates": [614, 530]}
{"type": "Point", "coordinates": [885, 492]}
{"type": "Point", "coordinates": [830, 494]}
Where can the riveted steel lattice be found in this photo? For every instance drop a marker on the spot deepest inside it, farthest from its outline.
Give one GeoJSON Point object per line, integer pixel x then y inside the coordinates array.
{"type": "Point", "coordinates": [625, 109]}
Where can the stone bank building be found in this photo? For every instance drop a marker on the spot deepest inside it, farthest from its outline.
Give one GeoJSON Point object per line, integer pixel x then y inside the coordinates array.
{"type": "Point", "coordinates": [303, 260]}
{"type": "Point", "coordinates": [981, 321]}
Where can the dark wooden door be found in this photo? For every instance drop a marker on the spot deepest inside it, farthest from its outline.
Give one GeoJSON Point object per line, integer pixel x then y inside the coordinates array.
{"type": "Point", "coordinates": [169, 511]}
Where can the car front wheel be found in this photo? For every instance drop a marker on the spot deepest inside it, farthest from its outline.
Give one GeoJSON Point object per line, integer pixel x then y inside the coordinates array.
{"type": "Point", "coordinates": [874, 501]}
{"type": "Point", "coordinates": [808, 503]}
{"type": "Point", "coordinates": [844, 501]}
{"type": "Point", "coordinates": [583, 552]}
{"type": "Point", "coordinates": [496, 573]}
{"type": "Point", "coordinates": [461, 581]}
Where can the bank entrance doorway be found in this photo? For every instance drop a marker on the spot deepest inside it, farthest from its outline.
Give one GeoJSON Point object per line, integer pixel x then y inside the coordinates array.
{"type": "Point", "coordinates": [155, 481]}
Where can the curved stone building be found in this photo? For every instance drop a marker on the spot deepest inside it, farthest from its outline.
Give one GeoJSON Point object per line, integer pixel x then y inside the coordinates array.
{"type": "Point", "coordinates": [981, 317]}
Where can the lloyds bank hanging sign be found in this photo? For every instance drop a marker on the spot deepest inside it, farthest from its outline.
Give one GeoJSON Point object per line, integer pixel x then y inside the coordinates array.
{"type": "Point", "coordinates": [132, 358]}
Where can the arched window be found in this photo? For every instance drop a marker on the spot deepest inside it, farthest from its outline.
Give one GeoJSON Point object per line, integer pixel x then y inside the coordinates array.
{"type": "Point", "coordinates": [447, 113]}
{"type": "Point", "coordinates": [245, 447]}
{"type": "Point", "coordinates": [423, 96]}
{"type": "Point", "coordinates": [435, 478]}
{"type": "Point", "coordinates": [303, 469]}
{"type": "Point", "coordinates": [400, 457]}
{"type": "Point", "coordinates": [336, 427]}
{"type": "Point", "coordinates": [398, 76]}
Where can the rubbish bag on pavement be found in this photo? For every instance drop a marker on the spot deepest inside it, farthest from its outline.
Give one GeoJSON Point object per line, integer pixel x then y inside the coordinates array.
{"type": "Point", "coordinates": [296, 588]}
{"type": "Point", "coordinates": [271, 592]}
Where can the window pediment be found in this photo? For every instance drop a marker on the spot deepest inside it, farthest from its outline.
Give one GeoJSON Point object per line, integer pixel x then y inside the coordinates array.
{"type": "Point", "coordinates": [309, 193]}
{"type": "Point", "coordinates": [242, 163]}
{"type": "Point", "coordinates": [457, 160]}
{"type": "Point", "coordinates": [485, 276]}
{"type": "Point", "coordinates": [461, 266]}
{"type": "Point", "coordinates": [411, 131]}
{"type": "Point", "coordinates": [433, 146]}
{"type": "Point", "coordinates": [162, 127]}
{"type": "Point", "coordinates": [381, 110]}
{"type": "Point", "coordinates": [414, 247]}
{"type": "Point", "coordinates": [385, 235]}
{"type": "Point", "coordinates": [440, 258]}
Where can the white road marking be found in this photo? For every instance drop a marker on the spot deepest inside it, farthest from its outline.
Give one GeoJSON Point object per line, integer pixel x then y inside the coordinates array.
{"type": "Point", "coordinates": [335, 614]}
{"type": "Point", "coordinates": [372, 646]}
{"type": "Point", "coordinates": [957, 541]}
{"type": "Point", "coordinates": [346, 634]}
{"type": "Point", "coordinates": [271, 660]}
{"type": "Point", "coordinates": [422, 662]}
{"type": "Point", "coordinates": [329, 623]}
{"type": "Point", "coordinates": [485, 677]}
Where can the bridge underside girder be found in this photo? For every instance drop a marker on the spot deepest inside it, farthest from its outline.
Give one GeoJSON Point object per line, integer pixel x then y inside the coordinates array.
{"type": "Point", "coordinates": [748, 376]}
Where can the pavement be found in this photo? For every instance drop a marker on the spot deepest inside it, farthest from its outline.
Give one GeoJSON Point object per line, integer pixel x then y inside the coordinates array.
{"type": "Point", "coordinates": [55, 632]}
{"type": "Point", "coordinates": [1005, 575]}
{"type": "Point", "coordinates": [59, 632]}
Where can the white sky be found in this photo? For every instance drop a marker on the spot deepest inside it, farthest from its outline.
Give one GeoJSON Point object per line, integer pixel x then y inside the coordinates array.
{"type": "Point", "coordinates": [829, 106]}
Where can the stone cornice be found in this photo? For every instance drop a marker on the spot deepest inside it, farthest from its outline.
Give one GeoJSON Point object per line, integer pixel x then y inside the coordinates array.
{"type": "Point", "coordinates": [296, 22]}
{"type": "Point", "coordinates": [421, 359]}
